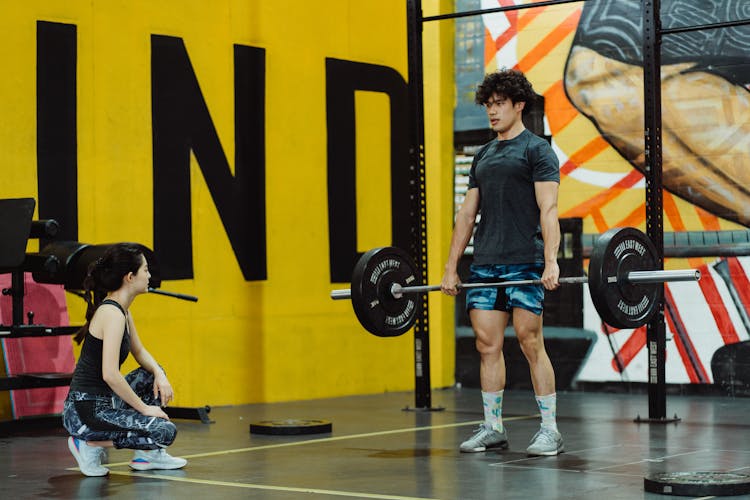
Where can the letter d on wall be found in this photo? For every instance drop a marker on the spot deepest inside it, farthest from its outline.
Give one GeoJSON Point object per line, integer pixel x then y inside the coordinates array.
{"type": "Point", "coordinates": [343, 78]}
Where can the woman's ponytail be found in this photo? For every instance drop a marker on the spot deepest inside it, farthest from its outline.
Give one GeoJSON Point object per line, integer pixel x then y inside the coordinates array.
{"type": "Point", "coordinates": [89, 295]}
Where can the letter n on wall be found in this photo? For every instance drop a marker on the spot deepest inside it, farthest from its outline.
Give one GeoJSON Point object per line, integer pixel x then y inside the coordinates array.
{"type": "Point", "coordinates": [181, 124]}
{"type": "Point", "coordinates": [56, 118]}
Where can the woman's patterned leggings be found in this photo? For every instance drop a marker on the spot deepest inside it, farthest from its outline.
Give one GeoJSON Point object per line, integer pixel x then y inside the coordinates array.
{"type": "Point", "coordinates": [93, 417]}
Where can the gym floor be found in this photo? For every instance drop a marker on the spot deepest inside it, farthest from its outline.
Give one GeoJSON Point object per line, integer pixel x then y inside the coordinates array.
{"type": "Point", "coordinates": [377, 450]}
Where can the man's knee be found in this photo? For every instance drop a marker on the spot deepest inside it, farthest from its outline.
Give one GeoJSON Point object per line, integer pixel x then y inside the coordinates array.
{"type": "Point", "coordinates": [488, 344]}
{"type": "Point", "coordinates": [531, 343]}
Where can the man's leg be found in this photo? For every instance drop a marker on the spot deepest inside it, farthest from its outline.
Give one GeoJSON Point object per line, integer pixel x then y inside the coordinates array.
{"type": "Point", "coordinates": [528, 326]}
{"type": "Point", "coordinates": [489, 328]}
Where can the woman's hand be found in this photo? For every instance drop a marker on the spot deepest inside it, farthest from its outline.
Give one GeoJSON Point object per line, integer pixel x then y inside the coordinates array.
{"type": "Point", "coordinates": [162, 388]}
{"type": "Point", "coordinates": [154, 411]}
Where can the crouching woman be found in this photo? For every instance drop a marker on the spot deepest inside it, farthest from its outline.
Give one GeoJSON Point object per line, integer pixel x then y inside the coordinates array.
{"type": "Point", "coordinates": [104, 409]}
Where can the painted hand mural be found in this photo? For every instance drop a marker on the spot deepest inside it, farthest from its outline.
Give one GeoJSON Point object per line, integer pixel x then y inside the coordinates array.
{"type": "Point", "coordinates": [586, 60]}
{"type": "Point", "coordinates": [705, 98]}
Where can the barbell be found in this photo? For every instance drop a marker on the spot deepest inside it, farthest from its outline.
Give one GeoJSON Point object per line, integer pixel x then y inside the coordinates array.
{"type": "Point", "coordinates": [623, 284]}
{"type": "Point", "coordinates": [191, 298]}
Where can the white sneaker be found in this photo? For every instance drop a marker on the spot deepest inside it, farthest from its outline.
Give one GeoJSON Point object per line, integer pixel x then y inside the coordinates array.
{"type": "Point", "coordinates": [485, 438]}
{"type": "Point", "coordinates": [546, 442]}
{"type": "Point", "coordinates": [155, 459]}
{"type": "Point", "coordinates": [89, 458]}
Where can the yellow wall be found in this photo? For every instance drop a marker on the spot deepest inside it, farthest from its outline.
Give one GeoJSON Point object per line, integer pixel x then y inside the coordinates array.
{"type": "Point", "coordinates": [439, 97]}
{"type": "Point", "coordinates": [273, 340]}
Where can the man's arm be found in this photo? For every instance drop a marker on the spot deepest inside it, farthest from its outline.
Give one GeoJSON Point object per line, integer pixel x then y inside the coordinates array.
{"type": "Point", "coordinates": [462, 231]}
{"type": "Point", "coordinates": [546, 199]}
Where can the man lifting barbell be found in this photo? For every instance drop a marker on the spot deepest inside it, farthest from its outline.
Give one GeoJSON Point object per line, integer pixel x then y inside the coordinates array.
{"type": "Point", "coordinates": [513, 183]}
{"type": "Point", "coordinates": [514, 261]}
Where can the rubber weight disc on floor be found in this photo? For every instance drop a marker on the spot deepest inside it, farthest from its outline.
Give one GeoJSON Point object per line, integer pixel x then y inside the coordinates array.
{"type": "Point", "coordinates": [698, 484]}
{"type": "Point", "coordinates": [290, 427]}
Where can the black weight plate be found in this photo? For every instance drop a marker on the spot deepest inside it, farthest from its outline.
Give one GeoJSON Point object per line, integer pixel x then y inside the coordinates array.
{"type": "Point", "coordinates": [616, 253]}
{"type": "Point", "coordinates": [377, 310]}
{"type": "Point", "coordinates": [697, 484]}
{"type": "Point", "coordinates": [290, 427]}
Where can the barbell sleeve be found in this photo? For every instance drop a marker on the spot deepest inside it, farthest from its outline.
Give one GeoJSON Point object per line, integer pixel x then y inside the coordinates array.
{"type": "Point", "coordinates": [662, 276]}
{"type": "Point", "coordinates": [341, 294]}
{"type": "Point", "coordinates": [633, 277]}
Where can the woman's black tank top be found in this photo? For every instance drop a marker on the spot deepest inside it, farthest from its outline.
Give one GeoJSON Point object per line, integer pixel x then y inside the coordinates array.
{"type": "Point", "coordinates": [88, 373]}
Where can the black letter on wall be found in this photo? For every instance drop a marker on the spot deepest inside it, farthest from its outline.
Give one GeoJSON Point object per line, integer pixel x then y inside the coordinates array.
{"type": "Point", "coordinates": [181, 124]}
{"type": "Point", "coordinates": [343, 78]}
{"type": "Point", "coordinates": [57, 147]}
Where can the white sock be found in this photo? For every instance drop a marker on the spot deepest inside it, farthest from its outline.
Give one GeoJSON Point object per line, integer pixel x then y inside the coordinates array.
{"type": "Point", "coordinates": [493, 409]}
{"type": "Point", "coordinates": [548, 408]}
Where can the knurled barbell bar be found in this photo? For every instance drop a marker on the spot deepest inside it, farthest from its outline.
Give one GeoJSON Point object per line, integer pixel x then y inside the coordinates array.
{"type": "Point", "coordinates": [622, 282]}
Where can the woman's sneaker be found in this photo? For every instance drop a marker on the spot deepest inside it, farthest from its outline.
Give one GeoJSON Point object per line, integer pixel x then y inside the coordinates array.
{"type": "Point", "coordinates": [545, 442]}
{"type": "Point", "coordinates": [89, 458]}
{"type": "Point", "coordinates": [484, 439]}
{"type": "Point", "coordinates": [155, 459]}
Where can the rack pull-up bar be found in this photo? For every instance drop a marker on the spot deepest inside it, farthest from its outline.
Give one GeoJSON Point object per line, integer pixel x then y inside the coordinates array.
{"type": "Point", "coordinates": [469, 13]}
{"type": "Point", "coordinates": [702, 27]}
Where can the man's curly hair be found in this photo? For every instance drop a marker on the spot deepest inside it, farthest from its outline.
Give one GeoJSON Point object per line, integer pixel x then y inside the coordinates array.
{"type": "Point", "coordinates": [510, 83]}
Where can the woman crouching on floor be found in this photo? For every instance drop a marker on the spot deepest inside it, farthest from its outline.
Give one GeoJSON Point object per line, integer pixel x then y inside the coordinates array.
{"type": "Point", "coordinates": [104, 409]}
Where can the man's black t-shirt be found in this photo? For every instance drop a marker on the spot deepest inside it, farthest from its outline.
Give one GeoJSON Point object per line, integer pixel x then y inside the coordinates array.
{"type": "Point", "coordinates": [508, 231]}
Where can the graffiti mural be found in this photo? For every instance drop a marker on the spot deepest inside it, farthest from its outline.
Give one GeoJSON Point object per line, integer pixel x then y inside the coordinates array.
{"type": "Point", "coordinates": [706, 103]}
{"type": "Point", "coordinates": [585, 60]}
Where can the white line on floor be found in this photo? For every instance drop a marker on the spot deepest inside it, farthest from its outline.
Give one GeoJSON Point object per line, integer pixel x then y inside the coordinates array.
{"type": "Point", "coordinates": [354, 494]}
{"type": "Point", "coordinates": [336, 438]}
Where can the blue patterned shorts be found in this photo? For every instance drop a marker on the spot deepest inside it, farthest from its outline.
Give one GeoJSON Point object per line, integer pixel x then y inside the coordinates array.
{"type": "Point", "coordinates": [528, 297]}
